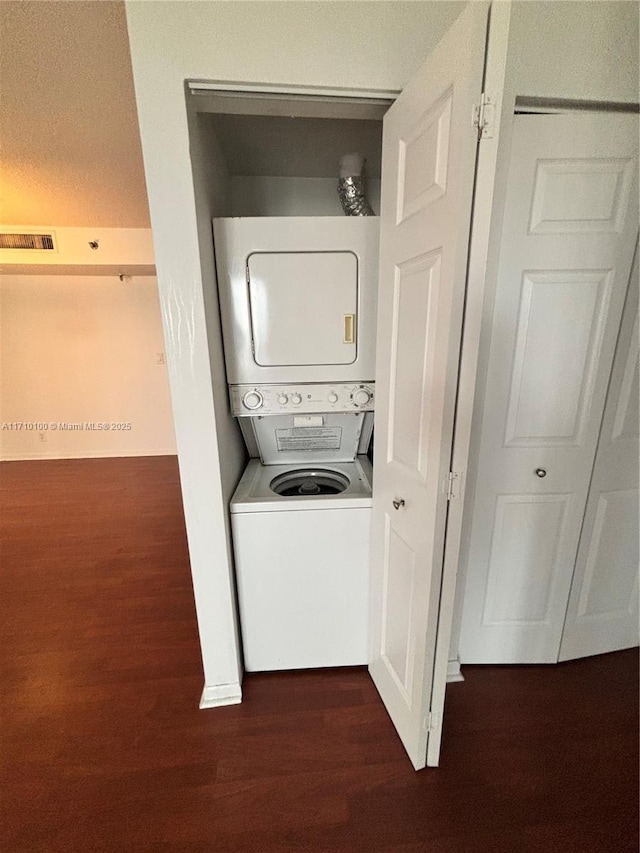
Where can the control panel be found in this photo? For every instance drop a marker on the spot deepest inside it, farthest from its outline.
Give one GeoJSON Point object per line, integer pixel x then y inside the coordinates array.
{"type": "Point", "coordinates": [247, 400]}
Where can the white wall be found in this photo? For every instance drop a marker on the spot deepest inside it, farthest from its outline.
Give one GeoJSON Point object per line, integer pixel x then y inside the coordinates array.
{"type": "Point", "coordinates": [82, 349]}
{"type": "Point", "coordinates": [344, 44]}
{"type": "Point", "coordinates": [266, 196]}
{"type": "Point", "coordinates": [576, 49]}
{"type": "Point", "coordinates": [583, 50]}
{"type": "Point", "coordinates": [214, 590]}
{"type": "Point", "coordinates": [126, 250]}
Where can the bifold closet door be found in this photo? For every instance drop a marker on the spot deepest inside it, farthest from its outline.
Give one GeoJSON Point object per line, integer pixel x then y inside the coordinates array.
{"type": "Point", "coordinates": [603, 605]}
{"type": "Point", "coordinates": [570, 226]}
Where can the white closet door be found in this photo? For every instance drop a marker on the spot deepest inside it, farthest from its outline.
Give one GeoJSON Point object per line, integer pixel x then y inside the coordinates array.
{"type": "Point", "coordinates": [570, 225]}
{"type": "Point", "coordinates": [429, 154]}
{"type": "Point", "coordinates": [603, 606]}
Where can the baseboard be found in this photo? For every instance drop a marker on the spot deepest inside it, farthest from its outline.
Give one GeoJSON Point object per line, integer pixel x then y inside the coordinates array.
{"type": "Point", "coordinates": [87, 454]}
{"type": "Point", "coordinates": [454, 673]}
{"type": "Point", "coordinates": [217, 695]}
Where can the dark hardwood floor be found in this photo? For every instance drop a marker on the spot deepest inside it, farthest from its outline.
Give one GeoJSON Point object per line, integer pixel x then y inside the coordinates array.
{"type": "Point", "coordinates": [104, 748]}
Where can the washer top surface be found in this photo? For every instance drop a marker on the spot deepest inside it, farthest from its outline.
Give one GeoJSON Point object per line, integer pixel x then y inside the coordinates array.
{"type": "Point", "coordinates": [278, 488]}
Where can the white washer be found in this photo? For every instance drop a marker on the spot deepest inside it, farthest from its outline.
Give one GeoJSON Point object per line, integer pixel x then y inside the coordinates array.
{"type": "Point", "coordinates": [302, 563]}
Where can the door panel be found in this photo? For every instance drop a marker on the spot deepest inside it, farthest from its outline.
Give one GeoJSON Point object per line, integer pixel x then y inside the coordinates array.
{"type": "Point", "coordinates": [522, 567]}
{"type": "Point", "coordinates": [398, 642]}
{"type": "Point", "coordinates": [422, 173]}
{"type": "Point", "coordinates": [580, 196]}
{"type": "Point", "coordinates": [414, 316]}
{"type": "Point", "coordinates": [429, 153]}
{"type": "Point", "coordinates": [551, 303]}
{"type": "Point", "coordinates": [570, 224]}
{"type": "Point", "coordinates": [603, 605]}
{"type": "Point", "coordinates": [613, 545]}
{"type": "Point", "coordinates": [625, 424]}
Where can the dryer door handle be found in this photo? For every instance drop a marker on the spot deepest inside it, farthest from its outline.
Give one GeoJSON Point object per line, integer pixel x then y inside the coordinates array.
{"type": "Point", "coordinates": [349, 336]}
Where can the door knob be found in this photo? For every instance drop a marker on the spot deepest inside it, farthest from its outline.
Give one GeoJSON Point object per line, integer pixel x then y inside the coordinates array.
{"type": "Point", "coordinates": [540, 472]}
{"type": "Point", "coordinates": [398, 503]}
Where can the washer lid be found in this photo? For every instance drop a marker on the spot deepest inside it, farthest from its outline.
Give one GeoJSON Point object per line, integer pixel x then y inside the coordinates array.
{"type": "Point", "coordinates": [309, 481]}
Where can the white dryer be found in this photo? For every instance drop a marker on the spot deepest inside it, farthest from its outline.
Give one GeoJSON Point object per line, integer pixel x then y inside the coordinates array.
{"type": "Point", "coordinates": [301, 543]}
{"type": "Point", "coordinates": [298, 298]}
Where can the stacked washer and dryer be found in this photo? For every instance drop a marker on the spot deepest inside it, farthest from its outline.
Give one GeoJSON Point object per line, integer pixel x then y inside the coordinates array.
{"type": "Point", "coordinates": [298, 307]}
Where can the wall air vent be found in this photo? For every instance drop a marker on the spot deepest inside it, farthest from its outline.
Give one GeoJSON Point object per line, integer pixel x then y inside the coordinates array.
{"type": "Point", "coordinates": [27, 241]}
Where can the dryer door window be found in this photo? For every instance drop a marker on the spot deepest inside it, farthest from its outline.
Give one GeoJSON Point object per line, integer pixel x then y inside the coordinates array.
{"type": "Point", "coordinates": [303, 307]}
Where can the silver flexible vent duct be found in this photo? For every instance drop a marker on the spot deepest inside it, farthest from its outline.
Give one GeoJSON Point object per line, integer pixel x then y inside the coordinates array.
{"type": "Point", "coordinates": [351, 187]}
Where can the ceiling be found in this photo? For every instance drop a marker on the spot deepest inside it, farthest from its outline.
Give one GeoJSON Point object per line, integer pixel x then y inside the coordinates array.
{"type": "Point", "coordinates": [70, 151]}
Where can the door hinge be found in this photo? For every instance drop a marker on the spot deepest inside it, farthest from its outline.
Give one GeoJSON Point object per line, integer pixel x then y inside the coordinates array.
{"type": "Point", "coordinates": [452, 485]}
{"type": "Point", "coordinates": [484, 116]}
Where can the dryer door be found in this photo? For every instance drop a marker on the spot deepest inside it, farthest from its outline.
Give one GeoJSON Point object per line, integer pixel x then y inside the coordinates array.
{"type": "Point", "coordinates": [303, 307]}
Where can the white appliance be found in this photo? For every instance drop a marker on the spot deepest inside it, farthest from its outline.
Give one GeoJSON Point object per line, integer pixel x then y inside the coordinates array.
{"type": "Point", "coordinates": [298, 307]}
{"type": "Point", "coordinates": [298, 298]}
{"type": "Point", "coordinates": [295, 423]}
{"type": "Point", "coordinates": [301, 543]}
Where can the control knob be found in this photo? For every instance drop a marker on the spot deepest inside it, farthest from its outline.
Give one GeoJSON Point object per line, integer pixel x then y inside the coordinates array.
{"type": "Point", "coordinates": [362, 396]}
{"type": "Point", "coordinates": [333, 397]}
{"type": "Point", "coordinates": [282, 399]}
{"type": "Point", "coordinates": [252, 400]}
{"type": "Point", "coordinates": [296, 399]}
